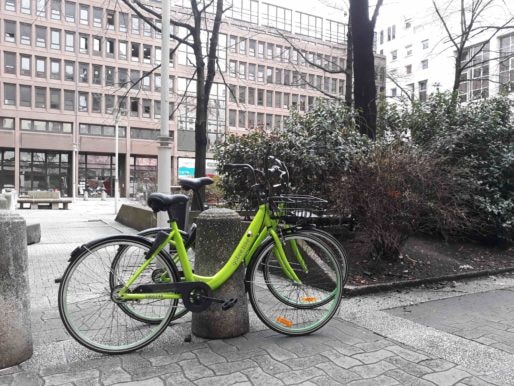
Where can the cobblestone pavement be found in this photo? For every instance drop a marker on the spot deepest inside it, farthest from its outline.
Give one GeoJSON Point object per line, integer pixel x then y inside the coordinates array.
{"type": "Point", "coordinates": [425, 336]}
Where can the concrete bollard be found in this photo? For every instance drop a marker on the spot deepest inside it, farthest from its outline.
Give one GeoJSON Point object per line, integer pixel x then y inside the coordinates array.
{"type": "Point", "coordinates": [219, 231]}
{"type": "Point", "coordinates": [86, 195]}
{"type": "Point", "coordinates": [103, 195]}
{"type": "Point", "coordinates": [4, 204]}
{"type": "Point", "coordinates": [15, 331]}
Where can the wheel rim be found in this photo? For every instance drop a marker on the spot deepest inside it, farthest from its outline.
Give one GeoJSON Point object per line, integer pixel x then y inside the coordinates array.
{"type": "Point", "coordinates": [293, 308]}
{"type": "Point", "coordinates": [92, 316]}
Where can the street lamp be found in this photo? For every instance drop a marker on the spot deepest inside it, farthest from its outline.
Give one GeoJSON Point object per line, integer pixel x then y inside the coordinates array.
{"type": "Point", "coordinates": [116, 152]}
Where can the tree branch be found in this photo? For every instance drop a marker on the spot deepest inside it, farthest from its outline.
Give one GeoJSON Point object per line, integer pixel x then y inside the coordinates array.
{"type": "Point", "coordinates": [375, 13]}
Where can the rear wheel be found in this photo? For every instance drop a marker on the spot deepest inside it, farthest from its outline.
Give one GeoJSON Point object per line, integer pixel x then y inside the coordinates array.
{"type": "Point", "coordinates": [91, 308]}
{"type": "Point", "coordinates": [288, 306]}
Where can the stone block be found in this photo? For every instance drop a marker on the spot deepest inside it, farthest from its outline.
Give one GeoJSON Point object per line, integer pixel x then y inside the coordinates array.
{"type": "Point", "coordinates": [15, 328]}
{"type": "Point", "coordinates": [219, 231]}
{"type": "Point", "coordinates": [136, 217]}
{"type": "Point", "coordinates": [33, 233]}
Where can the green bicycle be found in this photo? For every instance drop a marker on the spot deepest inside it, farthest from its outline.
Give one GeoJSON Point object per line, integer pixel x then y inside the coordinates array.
{"type": "Point", "coordinates": [294, 220]}
{"type": "Point", "coordinates": [294, 291]}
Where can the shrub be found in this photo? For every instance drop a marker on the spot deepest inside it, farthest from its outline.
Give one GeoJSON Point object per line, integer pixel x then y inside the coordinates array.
{"type": "Point", "coordinates": [395, 191]}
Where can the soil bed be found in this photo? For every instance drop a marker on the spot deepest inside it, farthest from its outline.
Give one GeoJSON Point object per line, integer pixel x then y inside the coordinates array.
{"type": "Point", "coordinates": [424, 257]}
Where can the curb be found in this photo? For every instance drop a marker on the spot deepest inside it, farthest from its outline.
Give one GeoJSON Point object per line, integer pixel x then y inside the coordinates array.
{"type": "Point", "coordinates": [374, 288]}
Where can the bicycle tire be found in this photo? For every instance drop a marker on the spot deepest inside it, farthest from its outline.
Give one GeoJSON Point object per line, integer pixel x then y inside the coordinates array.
{"type": "Point", "coordinates": [334, 244]}
{"type": "Point", "coordinates": [87, 303]}
{"type": "Point", "coordinates": [292, 312]}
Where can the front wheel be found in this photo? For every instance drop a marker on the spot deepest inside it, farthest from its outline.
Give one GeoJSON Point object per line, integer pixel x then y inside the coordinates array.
{"type": "Point", "coordinates": [296, 307]}
{"type": "Point", "coordinates": [89, 303]}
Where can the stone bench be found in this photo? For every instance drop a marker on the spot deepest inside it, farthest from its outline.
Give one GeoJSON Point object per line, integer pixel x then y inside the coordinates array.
{"type": "Point", "coordinates": [50, 199]}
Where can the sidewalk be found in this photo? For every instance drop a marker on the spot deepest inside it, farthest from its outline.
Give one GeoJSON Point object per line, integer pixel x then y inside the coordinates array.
{"type": "Point", "coordinates": [441, 335]}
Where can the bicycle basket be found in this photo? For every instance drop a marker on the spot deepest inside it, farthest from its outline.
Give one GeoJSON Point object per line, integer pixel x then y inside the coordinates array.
{"type": "Point", "coordinates": [294, 208]}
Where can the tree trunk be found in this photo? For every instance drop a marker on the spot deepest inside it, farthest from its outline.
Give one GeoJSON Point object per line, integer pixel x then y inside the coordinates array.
{"type": "Point", "coordinates": [365, 92]}
{"type": "Point", "coordinates": [348, 92]}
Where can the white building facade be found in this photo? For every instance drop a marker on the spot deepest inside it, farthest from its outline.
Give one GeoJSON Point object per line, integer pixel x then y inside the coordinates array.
{"type": "Point", "coordinates": [420, 56]}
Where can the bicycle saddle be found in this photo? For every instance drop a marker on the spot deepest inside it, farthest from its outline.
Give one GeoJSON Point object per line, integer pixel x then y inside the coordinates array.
{"type": "Point", "coordinates": [162, 202]}
{"type": "Point", "coordinates": [195, 183]}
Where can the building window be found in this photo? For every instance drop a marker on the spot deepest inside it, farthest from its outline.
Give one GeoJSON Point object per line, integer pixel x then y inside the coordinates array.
{"type": "Point", "coordinates": [507, 63]}
{"type": "Point", "coordinates": [309, 25]}
{"type": "Point", "coordinates": [7, 124]}
{"type": "Point", "coordinates": [260, 74]}
{"type": "Point", "coordinates": [40, 36]}
{"type": "Point", "coordinates": [147, 29]}
{"type": "Point", "coordinates": [408, 50]}
{"type": "Point", "coordinates": [97, 17]}
{"type": "Point", "coordinates": [25, 65]}
{"type": "Point", "coordinates": [109, 76]}
{"type": "Point", "coordinates": [394, 55]}
{"type": "Point", "coordinates": [109, 103]}
{"type": "Point", "coordinates": [147, 53]}
{"type": "Point", "coordinates": [123, 21]}
{"type": "Point", "coordinates": [55, 99]}
{"type": "Point", "coordinates": [335, 32]}
{"type": "Point", "coordinates": [69, 11]}
{"type": "Point", "coordinates": [277, 17]}
{"type": "Point", "coordinates": [97, 74]}
{"type": "Point", "coordinates": [25, 34]}
{"type": "Point", "coordinates": [96, 103]}
{"type": "Point", "coordinates": [25, 96]}
{"type": "Point", "coordinates": [122, 50]}
{"type": "Point", "coordinates": [252, 45]}
{"type": "Point", "coordinates": [393, 92]}
{"type": "Point", "coordinates": [134, 107]}
{"type": "Point", "coordinates": [56, 9]}
{"type": "Point", "coordinates": [9, 62]}
{"type": "Point", "coordinates": [109, 47]}
{"type": "Point", "coordinates": [474, 81]}
{"type": "Point", "coordinates": [40, 97]}
{"type": "Point", "coordinates": [69, 38]}
{"type": "Point", "coordinates": [41, 8]}
{"type": "Point", "coordinates": [134, 52]}
{"type": "Point", "coordinates": [55, 69]}
{"type": "Point", "coordinates": [97, 46]}
{"type": "Point", "coordinates": [251, 96]}
{"type": "Point", "coordinates": [123, 78]}
{"type": "Point", "coordinates": [424, 64]}
{"type": "Point", "coordinates": [241, 119]}
{"type": "Point", "coordinates": [55, 41]}
{"type": "Point", "coordinates": [242, 70]}
{"type": "Point", "coordinates": [84, 72]}
{"type": "Point", "coordinates": [10, 31]}
{"type": "Point", "coordinates": [134, 27]}
{"type": "Point", "coordinates": [408, 69]}
{"type": "Point", "coordinates": [40, 67]}
{"type": "Point", "coordinates": [422, 90]}
{"type": "Point", "coordinates": [9, 94]}
{"type": "Point", "coordinates": [246, 10]}
{"type": "Point", "coordinates": [424, 44]}
{"type": "Point", "coordinates": [110, 19]}
{"type": "Point", "coordinates": [84, 14]}
{"type": "Point", "coordinates": [69, 100]}
{"type": "Point", "coordinates": [83, 101]}
{"type": "Point", "coordinates": [242, 46]}
{"type": "Point", "coordinates": [69, 71]}
{"type": "Point", "coordinates": [10, 5]}
{"type": "Point", "coordinates": [391, 33]}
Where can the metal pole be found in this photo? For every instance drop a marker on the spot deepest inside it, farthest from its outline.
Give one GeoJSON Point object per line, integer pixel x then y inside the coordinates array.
{"type": "Point", "coordinates": [74, 172]}
{"type": "Point", "coordinates": [116, 166]}
{"type": "Point", "coordinates": [164, 151]}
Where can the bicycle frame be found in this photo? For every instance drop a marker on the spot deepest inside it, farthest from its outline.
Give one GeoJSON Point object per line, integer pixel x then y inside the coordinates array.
{"type": "Point", "coordinates": [261, 225]}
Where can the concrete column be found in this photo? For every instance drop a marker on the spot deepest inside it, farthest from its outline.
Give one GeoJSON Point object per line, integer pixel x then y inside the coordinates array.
{"type": "Point", "coordinates": [15, 331]}
{"type": "Point", "coordinates": [219, 231]}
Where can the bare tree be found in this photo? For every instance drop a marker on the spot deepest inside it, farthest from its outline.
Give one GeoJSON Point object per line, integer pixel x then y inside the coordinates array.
{"type": "Point", "coordinates": [365, 92]}
{"type": "Point", "coordinates": [205, 63]}
{"type": "Point", "coordinates": [471, 25]}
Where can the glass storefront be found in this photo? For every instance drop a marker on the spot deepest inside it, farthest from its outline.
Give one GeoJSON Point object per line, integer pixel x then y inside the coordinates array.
{"type": "Point", "coordinates": [44, 170]}
{"type": "Point", "coordinates": [6, 168]}
{"type": "Point", "coordinates": [143, 176]}
{"type": "Point", "coordinates": [96, 172]}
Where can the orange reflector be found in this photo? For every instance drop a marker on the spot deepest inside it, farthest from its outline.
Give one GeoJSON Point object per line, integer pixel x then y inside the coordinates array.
{"type": "Point", "coordinates": [284, 321]}
{"type": "Point", "coordinates": [309, 299]}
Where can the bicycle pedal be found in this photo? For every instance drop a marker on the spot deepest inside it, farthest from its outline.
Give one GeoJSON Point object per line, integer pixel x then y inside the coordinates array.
{"type": "Point", "coordinates": [228, 304]}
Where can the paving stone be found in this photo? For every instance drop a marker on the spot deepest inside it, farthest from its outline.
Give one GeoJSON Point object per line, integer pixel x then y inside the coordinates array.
{"type": "Point", "coordinates": [149, 372]}
{"type": "Point", "coordinates": [92, 364]}
{"type": "Point", "coordinates": [374, 346]}
{"type": "Point", "coordinates": [229, 379]}
{"type": "Point", "coordinates": [59, 379]}
{"type": "Point", "coordinates": [324, 380]}
{"type": "Point", "coordinates": [270, 365]}
{"type": "Point", "coordinates": [373, 370]}
{"type": "Point", "coordinates": [177, 379]}
{"type": "Point", "coordinates": [207, 357]}
{"type": "Point", "coordinates": [228, 367]}
{"type": "Point", "coordinates": [299, 376]}
{"type": "Point", "coordinates": [194, 370]}
{"type": "Point", "coordinates": [381, 380]}
{"type": "Point", "coordinates": [412, 368]}
{"type": "Point", "coordinates": [343, 361]}
{"type": "Point", "coordinates": [26, 378]}
{"type": "Point", "coordinates": [6, 379]}
{"type": "Point", "coordinates": [114, 375]}
{"type": "Point", "coordinates": [338, 374]}
{"type": "Point", "coordinates": [407, 354]}
{"type": "Point", "coordinates": [278, 353]}
{"type": "Point", "coordinates": [437, 364]}
{"type": "Point", "coordinates": [373, 357]}
{"type": "Point", "coordinates": [149, 382]}
{"type": "Point", "coordinates": [448, 377]}
{"type": "Point", "coordinates": [305, 362]}
{"type": "Point", "coordinates": [170, 359]}
{"type": "Point", "coordinates": [258, 377]}
{"type": "Point", "coordinates": [474, 381]}
{"type": "Point", "coordinates": [9, 370]}
{"type": "Point", "coordinates": [406, 378]}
